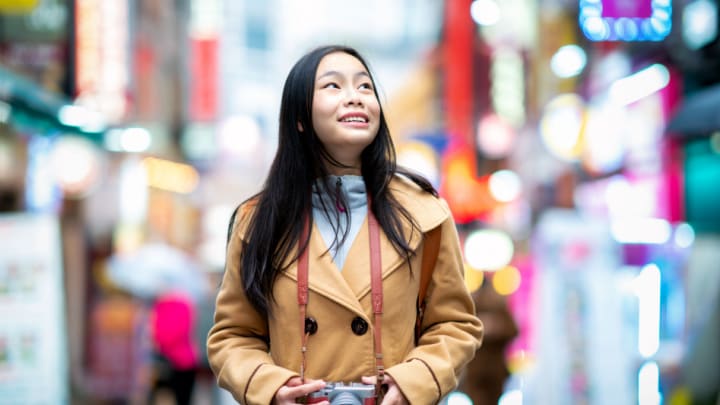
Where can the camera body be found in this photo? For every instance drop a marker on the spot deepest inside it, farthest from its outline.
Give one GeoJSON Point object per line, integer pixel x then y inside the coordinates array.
{"type": "Point", "coordinates": [344, 394]}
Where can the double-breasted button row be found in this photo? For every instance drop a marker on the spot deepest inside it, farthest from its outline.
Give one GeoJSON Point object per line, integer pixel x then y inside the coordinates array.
{"type": "Point", "coordinates": [358, 325]}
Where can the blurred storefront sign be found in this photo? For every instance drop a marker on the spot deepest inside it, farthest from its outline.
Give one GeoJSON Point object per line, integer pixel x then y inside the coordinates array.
{"type": "Point", "coordinates": [38, 21]}
{"type": "Point", "coordinates": [34, 43]}
{"type": "Point", "coordinates": [33, 55]}
{"type": "Point", "coordinates": [507, 76]}
{"type": "Point", "coordinates": [35, 74]}
{"type": "Point", "coordinates": [458, 71]}
{"type": "Point", "coordinates": [205, 17]}
{"type": "Point", "coordinates": [204, 78]}
{"type": "Point", "coordinates": [101, 60]}
{"type": "Point", "coordinates": [620, 20]}
{"type": "Point", "coordinates": [33, 346]}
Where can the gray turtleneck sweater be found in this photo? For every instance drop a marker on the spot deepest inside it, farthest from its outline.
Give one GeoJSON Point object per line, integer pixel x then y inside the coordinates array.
{"type": "Point", "coordinates": [353, 188]}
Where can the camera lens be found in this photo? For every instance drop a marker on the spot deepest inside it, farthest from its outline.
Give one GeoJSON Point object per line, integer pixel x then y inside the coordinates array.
{"type": "Point", "coordinates": [346, 398]}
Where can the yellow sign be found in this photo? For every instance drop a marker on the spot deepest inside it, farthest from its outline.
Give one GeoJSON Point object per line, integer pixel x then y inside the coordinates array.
{"type": "Point", "coordinates": [17, 6]}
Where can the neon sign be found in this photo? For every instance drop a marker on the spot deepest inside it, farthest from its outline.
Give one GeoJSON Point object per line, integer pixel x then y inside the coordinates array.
{"type": "Point", "coordinates": [623, 20]}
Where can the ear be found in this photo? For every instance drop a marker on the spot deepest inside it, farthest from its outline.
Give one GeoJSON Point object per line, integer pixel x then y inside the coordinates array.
{"type": "Point", "coordinates": [300, 127]}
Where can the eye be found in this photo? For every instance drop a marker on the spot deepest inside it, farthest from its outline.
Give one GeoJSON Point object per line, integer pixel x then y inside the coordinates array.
{"type": "Point", "coordinates": [331, 85]}
{"type": "Point", "coordinates": [366, 86]}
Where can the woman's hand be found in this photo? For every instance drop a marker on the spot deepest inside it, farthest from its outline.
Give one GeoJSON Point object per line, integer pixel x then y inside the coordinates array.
{"type": "Point", "coordinates": [393, 396]}
{"type": "Point", "coordinates": [294, 389]}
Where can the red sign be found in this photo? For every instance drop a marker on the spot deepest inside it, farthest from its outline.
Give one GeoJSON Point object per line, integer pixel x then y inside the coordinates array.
{"type": "Point", "coordinates": [203, 79]}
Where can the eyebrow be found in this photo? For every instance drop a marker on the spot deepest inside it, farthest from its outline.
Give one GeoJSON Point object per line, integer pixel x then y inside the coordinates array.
{"type": "Point", "coordinates": [336, 73]}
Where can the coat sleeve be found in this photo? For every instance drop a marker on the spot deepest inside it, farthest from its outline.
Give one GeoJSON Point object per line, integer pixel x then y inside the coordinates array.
{"type": "Point", "coordinates": [237, 343]}
{"type": "Point", "coordinates": [451, 330]}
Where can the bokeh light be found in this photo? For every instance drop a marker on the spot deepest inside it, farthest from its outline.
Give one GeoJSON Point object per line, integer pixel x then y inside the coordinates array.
{"type": "Point", "coordinates": [506, 280]}
{"type": "Point", "coordinates": [561, 126]}
{"type": "Point", "coordinates": [489, 249]}
{"type": "Point", "coordinates": [505, 185]}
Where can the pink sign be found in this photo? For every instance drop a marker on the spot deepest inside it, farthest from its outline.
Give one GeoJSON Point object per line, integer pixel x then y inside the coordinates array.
{"type": "Point", "coordinates": [627, 8]}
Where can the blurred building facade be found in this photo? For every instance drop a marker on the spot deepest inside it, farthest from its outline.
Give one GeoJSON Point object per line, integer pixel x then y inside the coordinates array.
{"type": "Point", "coordinates": [559, 132]}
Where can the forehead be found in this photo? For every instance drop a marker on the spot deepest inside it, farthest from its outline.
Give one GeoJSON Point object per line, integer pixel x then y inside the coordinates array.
{"type": "Point", "coordinates": [340, 63]}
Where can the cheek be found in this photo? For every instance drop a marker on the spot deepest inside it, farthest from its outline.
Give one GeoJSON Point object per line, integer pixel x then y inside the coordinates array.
{"type": "Point", "coordinates": [374, 110]}
{"type": "Point", "coordinates": [322, 110]}
{"type": "Point", "coordinates": [373, 107]}
{"type": "Point", "coordinates": [320, 113]}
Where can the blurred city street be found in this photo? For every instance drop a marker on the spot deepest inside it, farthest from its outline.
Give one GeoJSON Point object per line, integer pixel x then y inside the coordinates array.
{"type": "Point", "coordinates": [577, 144]}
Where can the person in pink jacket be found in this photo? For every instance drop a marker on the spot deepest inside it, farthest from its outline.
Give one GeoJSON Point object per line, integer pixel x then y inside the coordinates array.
{"type": "Point", "coordinates": [175, 347]}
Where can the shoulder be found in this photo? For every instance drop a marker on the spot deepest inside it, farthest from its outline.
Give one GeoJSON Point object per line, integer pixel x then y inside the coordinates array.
{"type": "Point", "coordinates": [429, 211]}
{"type": "Point", "coordinates": [242, 216]}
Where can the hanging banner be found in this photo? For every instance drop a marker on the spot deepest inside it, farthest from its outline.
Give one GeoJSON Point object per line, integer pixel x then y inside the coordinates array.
{"type": "Point", "coordinates": [33, 349]}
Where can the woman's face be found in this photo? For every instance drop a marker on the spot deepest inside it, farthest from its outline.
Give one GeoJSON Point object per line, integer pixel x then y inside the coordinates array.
{"type": "Point", "coordinates": [345, 111]}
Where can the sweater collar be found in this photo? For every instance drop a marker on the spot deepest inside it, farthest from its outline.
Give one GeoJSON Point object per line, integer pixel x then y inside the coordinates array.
{"type": "Point", "coordinates": [350, 187]}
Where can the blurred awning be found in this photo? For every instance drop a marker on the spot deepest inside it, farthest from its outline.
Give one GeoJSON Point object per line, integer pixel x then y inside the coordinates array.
{"type": "Point", "coordinates": [698, 114]}
{"type": "Point", "coordinates": [19, 90]}
{"type": "Point", "coordinates": [35, 109]}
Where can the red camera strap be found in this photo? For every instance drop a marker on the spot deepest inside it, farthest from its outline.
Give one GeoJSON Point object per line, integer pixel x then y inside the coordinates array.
{"type": "Point", "coordinates": [302, 296]}
{"type": "Point", "coordinates": [377, 295]}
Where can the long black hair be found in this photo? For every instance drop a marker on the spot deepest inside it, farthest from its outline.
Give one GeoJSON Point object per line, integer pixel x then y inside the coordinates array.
{"type": "Point", "coordinates": [285, 201]}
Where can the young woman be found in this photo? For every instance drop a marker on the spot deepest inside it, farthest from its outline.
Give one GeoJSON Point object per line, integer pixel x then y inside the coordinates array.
{"type": "Point", "coordinates": [298, 307]}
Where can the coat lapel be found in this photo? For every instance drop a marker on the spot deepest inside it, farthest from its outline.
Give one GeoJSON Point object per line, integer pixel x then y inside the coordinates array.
{"type": "Point", "coordinates": [357, 265]}
{"type": "Point", "coordinates": [349, 286]}
{"type": "Point", "coordinates": [324, 278]}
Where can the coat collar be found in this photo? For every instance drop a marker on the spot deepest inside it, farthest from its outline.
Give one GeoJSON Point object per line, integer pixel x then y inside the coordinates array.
{"type": "Point", "coordinates": [349, 286]}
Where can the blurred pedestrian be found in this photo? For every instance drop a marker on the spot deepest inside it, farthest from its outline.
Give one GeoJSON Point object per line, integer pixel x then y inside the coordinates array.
{"type": "Point", "coordinates": [335, 205]}
{"type": "Point", "coordinates": [485, 376]}
{"type": "Point", "coordinates": [176, 355]}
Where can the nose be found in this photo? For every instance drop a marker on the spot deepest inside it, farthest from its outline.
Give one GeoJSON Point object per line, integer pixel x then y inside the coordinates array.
{"type": "Point", "coordinates": [352, 97]}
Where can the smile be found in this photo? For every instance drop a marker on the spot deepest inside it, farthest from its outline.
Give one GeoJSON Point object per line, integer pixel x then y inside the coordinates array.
{"type": "Point", "coordinates": [354, 117]}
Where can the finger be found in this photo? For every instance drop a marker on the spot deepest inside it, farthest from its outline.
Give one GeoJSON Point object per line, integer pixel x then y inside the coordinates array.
{"type": "Point", "coordinates": [309, 387]}
{"type": "Point", "coordinates": [394, 396]}
{"type": "Point", "coordinates": [368, 380]}
{"type": "Point", "coordinates": [294, 382]}
{"type": "Point", "coordinates": [390, 397]}
{"type": "Point", "coordinates": [292, 392]}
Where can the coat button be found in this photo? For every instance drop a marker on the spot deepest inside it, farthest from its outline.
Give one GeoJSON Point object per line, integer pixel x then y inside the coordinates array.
{"type": "Point", "coordinates": [359, 326]}
{"type": "Point", "coordinates": [311, 326]}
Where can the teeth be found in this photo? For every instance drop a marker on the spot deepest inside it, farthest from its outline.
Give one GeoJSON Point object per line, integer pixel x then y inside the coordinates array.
{"type": "Point", "coordinates": [354, 119]}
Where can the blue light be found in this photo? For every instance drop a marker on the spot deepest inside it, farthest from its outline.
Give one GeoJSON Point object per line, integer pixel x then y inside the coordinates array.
{"type": "Point", "coordinates": [42, 193]}
{"type": "Point", "coordinates": [598, 28]}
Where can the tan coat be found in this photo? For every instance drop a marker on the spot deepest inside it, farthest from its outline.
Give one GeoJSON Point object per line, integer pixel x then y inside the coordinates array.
{"type": "Point", "coordinates": [253, 369]}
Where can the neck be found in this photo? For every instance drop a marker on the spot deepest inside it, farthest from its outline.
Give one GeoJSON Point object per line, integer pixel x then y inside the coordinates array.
{"type": "Point", "coordinates": [347, 168]}
{"type": "Point", "coordinates": [342, 171]}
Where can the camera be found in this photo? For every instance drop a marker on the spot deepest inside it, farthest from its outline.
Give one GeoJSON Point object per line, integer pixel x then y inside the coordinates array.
{"type": "Point", "coordinates": [342, 394]}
